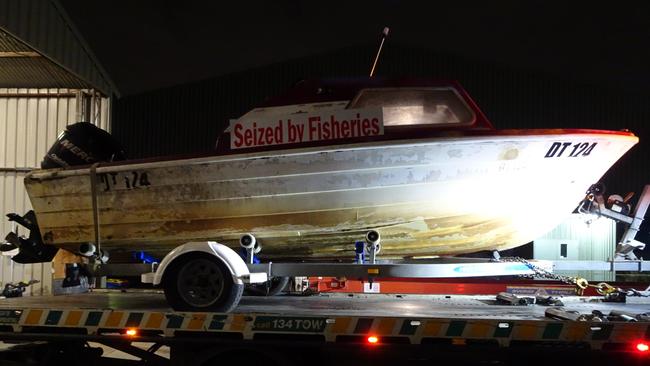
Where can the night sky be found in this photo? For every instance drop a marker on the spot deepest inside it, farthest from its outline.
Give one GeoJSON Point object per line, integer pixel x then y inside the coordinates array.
{"type": "Point", "coordinates": [146, 45]}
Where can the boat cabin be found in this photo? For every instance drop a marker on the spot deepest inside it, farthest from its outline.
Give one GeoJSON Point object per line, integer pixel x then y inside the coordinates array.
{"type": "Point", "coordinates": [345, 111]}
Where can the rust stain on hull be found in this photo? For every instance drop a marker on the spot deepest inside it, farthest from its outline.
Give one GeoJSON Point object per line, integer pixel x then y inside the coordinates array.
{"type": "Point", "coordinates": [451, 235]}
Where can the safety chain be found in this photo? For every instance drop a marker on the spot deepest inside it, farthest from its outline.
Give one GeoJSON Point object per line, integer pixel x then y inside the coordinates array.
{"type": "Point", "coordinates": [580, 283]}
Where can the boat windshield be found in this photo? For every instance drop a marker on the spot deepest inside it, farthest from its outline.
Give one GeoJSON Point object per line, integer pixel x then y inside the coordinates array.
{"type": "Point", "coordinates": [286, 110]}
{"type": "Point", "coordinates": [416, 106]}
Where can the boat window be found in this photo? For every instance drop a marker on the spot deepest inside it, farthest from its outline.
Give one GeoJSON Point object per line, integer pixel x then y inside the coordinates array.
{"type": "Point", "coordinates": [286, 110]}
{"type": "Point", "coordinates": [416, 106]}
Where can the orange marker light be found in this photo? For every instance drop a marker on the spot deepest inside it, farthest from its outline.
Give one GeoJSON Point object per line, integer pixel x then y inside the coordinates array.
{"type": "Point", "coordinates": [373, 340]}
{"type": "Point", "coordinates": [642, 347]}
{"type": "Point", "coordinates": [131, 332]}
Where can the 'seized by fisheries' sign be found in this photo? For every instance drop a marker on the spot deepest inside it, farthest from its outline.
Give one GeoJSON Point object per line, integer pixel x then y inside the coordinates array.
{"type": "Point", "coordinates": [305, 127]}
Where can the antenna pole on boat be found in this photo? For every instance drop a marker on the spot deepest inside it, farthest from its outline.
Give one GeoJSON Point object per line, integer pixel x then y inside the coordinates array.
{"type": "Point", "coordinates": [384, 34]}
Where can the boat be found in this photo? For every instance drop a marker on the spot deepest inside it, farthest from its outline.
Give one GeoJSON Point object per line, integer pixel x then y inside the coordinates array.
{"type": "Point", "coordinates": [311, 171]}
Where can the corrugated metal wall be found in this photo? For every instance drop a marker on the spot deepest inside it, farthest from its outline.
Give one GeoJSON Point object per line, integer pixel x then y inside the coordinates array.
{"type": "Point", "coordinates": [595, 241]}
{"type": "Point", "coordinates": [30, 120]}
{"type": "Point", "coordinates": [188, 118]}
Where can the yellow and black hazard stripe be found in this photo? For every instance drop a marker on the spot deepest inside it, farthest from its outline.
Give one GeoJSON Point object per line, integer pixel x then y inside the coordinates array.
{"type": "Point", "coordinates": [411, 330]}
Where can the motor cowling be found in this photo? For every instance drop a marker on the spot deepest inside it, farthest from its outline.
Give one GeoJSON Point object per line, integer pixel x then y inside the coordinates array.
{"type": "Point", "coordinates": [82, 143]}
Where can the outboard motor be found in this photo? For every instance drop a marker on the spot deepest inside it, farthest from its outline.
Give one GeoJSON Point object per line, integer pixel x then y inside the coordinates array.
{"type": "Point", "coordinates": [82, 143]}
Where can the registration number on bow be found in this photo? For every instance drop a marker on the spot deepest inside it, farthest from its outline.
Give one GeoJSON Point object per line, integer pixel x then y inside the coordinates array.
{"type": "Point", "coordinates": [570, 149]}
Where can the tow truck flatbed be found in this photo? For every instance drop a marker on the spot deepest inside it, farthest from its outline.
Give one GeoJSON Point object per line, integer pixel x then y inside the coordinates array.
{"type": "Point", "coordinates": [328, 305]}
{"type": "Point", "coordinates": [422, 323]}
{"type": "Point", "coordinates": [413, 317]}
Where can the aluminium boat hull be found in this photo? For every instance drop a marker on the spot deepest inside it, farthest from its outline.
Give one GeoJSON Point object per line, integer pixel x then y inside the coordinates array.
{"type": "Point", "coordinates": [432, 196]}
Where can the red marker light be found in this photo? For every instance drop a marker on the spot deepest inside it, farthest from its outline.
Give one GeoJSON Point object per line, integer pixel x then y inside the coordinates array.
{"type": "Point", "coordinates": [131, 332]}
{"type": "Point", "coordinates": [642, 347]}
{"type": "Point", "coordinates": [373, 340]}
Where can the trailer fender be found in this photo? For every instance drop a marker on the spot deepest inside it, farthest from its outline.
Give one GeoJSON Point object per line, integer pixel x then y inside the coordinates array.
{"type": "Point", "coordinates": [232, 260]}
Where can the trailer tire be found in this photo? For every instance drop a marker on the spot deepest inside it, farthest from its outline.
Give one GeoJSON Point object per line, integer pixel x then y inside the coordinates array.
{"type": "Point", "coordinates": [201, 282]}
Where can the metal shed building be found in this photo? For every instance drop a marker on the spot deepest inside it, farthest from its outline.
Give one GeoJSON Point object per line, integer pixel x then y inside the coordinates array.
{"type": "Point", "coordinates": [48, 79]}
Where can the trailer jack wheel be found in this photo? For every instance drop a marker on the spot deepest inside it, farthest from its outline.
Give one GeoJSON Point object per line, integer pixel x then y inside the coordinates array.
{"type": "Point", "coordinates": [201, 282]}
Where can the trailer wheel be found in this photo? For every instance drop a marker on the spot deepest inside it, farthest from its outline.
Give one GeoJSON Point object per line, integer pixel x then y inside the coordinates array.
{"type": "Point", "coordinates": [201, 282]}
